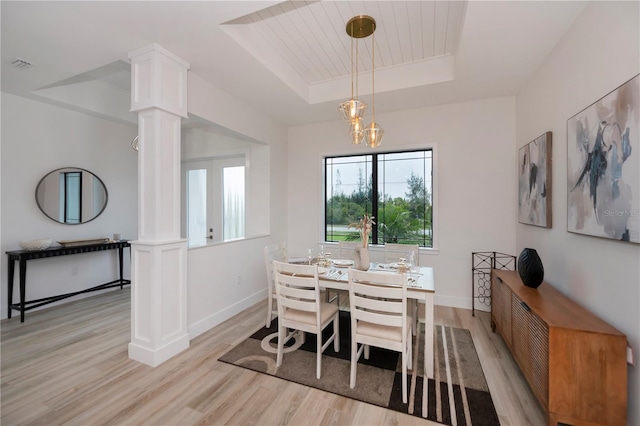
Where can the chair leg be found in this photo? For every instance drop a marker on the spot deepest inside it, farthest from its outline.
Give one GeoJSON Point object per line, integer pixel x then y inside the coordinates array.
{"type": "Point", "coordinates": [330, 299]}
{"type": "Point", "coordinates": [366, 351]}
{"type": "Point", "coordinates": [336, 333]}
{"type": "Point", "coordinates": [281, 337]}
{"type": "Point", "coordinates": [410, 351]}
{"type": "Point", "coordinates": [404, 377]}
{"type": "Point", "coordinates": [318, 354]}
{"type": "Point", "coordinates": [269, 310]}
{"type": "Point", "coordinates": [354, 363]}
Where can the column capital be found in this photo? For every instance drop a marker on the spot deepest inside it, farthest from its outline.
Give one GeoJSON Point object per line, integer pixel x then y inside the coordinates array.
{"type": "Point", "coordinates": [158, 80]}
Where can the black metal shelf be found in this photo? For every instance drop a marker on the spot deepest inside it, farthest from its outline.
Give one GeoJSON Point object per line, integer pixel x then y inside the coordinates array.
{"type": "Point", "coordinates": [482, 262]}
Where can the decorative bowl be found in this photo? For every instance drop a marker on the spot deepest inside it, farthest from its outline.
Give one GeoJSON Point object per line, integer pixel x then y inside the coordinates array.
{"type": "Point", "coordinates": [33, 245]}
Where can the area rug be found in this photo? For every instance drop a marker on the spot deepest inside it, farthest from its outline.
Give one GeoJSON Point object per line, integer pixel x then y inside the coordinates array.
{"type": "Point", "coordinates": [461, 396]}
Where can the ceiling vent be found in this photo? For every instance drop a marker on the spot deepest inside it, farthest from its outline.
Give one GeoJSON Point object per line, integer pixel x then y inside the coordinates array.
{"type": "Point", "coordinates": [21, 64]}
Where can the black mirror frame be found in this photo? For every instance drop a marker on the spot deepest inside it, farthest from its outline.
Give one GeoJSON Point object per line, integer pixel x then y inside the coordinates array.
{"type": "Point", "coordinates": [106, 195]}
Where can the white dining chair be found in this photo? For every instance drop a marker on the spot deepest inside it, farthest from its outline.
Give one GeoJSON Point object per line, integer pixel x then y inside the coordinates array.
{"type": "Point", "coordinates": [273, 252]}
{"type": "Point", "coordinates": [347, 249]}
{"type": "Point", "coordinates": [300, 308]}
{"type": "Point", "coordinates": [393, 252]}
{"type": "Point", "coordinates": [378, 304]}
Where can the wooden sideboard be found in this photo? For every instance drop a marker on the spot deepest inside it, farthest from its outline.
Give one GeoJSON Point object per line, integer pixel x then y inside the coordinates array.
{"type": "Point", "coordinates": [574, 362]}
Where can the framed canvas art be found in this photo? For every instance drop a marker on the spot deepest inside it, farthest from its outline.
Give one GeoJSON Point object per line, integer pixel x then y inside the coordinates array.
{"type": "Point", "coordinates": [534, 182]}
{"type": "Point", "coordinates": [603, 166]}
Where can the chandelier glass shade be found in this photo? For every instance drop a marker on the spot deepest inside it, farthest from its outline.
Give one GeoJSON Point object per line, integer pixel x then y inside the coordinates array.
{"type": "Point", "coordinates": [352, 109]}
{"type": "Point", "coordinates": [372, 135]}
{"type": "Point", "coordinates": [358, 27]}
{"type": "Point", "coordinates": [356, 128]}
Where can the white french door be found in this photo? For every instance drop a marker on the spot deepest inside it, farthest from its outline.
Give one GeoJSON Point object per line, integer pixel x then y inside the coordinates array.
{"type": "Point", "coordinates": [213, 207]}
{"type": "Point", "coordinates": [198, 207]}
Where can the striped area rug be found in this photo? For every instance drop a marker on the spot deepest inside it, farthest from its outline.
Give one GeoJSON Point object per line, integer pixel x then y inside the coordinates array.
{"type": "Point", "coordinates": [461, 396]}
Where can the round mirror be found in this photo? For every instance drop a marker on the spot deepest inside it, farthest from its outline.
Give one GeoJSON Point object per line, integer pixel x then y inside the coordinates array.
{"type": "Point", "coordinates": [71, 196]}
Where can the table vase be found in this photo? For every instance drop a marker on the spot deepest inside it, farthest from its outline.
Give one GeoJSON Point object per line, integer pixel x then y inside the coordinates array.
{"type": "Point", "coordinates": [361, 260]}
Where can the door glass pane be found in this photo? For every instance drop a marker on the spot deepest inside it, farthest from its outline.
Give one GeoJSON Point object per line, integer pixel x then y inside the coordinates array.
{"type": "Point", "coordinates": [233, 217]}
{"type": "Point", "coordinates": [197, 206]}
{"type": "Point", "coordinates": [71, 197]}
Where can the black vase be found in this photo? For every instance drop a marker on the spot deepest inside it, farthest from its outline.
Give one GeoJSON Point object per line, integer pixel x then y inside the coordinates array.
{"type": "Point", "coordinates": [530, 268]}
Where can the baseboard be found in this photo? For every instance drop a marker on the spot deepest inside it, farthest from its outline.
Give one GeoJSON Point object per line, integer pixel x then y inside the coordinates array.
{"type": "Point", "coordinates": [453, 302]}
{"type": "Point", "coordinates": [155, 357]}
{"type": "Point", "coordinates": [208, 323]}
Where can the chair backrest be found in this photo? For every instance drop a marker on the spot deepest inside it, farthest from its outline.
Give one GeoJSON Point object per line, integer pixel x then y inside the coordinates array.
{"type": "Point", "coordinates": [297, 288]}
{"type": "Point", "coordinates": [347, 249]}
{"type": "Point", "coordinates": [393, 252]}
{"type": "Point", "coordinates": [274, 252]}
{"type": "Point", "coordinates": [378, 298]}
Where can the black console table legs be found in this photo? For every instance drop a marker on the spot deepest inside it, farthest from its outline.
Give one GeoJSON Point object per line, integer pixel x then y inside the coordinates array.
{"type": "Point", "coordinates": [22, 256]}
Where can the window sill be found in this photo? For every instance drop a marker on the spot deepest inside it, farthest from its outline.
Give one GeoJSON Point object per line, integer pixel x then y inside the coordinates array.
{"type": "Point", "coordinates": [429, 251]}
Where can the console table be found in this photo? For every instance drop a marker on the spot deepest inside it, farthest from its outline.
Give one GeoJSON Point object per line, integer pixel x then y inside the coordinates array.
{"type": "Point", "coordinates": [22, 256]}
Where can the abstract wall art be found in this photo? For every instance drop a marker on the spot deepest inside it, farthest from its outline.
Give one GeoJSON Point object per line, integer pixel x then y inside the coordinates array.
{"type": "Point", "coordinates": [603, 166]}
{"type": "Point", "coordinates": [534, 182]}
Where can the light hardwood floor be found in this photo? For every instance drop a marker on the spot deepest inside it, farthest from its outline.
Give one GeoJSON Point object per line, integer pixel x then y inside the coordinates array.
{"type": "Point", "coordinates": [68, 365]}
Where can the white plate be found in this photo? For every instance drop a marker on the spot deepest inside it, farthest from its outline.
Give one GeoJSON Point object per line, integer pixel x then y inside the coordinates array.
{"type": "Point", "coordinates": [322, 270]}
{"type": "Point", "coordinates": [343, 262]}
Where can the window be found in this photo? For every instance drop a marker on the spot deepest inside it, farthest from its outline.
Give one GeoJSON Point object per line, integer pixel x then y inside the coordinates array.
{"type": "Point", "coordinates": [395, 187]}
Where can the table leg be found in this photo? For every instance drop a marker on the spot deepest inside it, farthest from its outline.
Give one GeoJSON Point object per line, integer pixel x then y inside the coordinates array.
{"type": "Point", "coordinates": [11, 269]}
{"type": "Point", "coordinates": [428, 351]}
{"type": "Point", "coordinates": [23, 280]}
{"type": "Point", "coordinates": [428, 331]}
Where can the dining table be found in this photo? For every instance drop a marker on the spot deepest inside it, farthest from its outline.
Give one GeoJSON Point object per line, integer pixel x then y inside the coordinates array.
{"type": "Point", "coordinates": [420, 287]}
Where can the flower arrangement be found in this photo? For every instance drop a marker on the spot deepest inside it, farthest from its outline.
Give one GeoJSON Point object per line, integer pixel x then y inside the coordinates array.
{"type": "Point", "coordinates": [364, 226]}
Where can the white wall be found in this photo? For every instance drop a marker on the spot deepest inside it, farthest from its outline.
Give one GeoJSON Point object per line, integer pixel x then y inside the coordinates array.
{"type": "Point", "coordinates": [601, 52]}
{"type": "Point", "coordinates": [224, 279]}
{"type": "Point", "coordinates": [36, 139]}
{"type": "Point", "coordinates": [475, 182]}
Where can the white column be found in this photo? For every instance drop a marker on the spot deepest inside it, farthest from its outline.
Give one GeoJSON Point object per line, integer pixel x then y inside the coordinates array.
{"type": "Point", "coordinates": [159, 255]}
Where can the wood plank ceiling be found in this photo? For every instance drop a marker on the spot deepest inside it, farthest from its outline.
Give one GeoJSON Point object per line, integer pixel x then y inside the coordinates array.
{"type": "Point", "coordinates": [311, 38]}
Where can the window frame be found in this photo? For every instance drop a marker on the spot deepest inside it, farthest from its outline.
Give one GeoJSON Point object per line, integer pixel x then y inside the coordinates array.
{"type": "Point", "coordinates": [433, 147]}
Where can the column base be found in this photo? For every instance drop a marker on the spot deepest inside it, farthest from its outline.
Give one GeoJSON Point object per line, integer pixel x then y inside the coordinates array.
{"type": "Point", "coordinates": [155, 357]}
{"type": "Point", "coordinates": [158, 301]}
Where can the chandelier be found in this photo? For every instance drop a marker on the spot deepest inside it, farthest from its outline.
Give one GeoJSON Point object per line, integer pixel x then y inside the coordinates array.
{"type": "Point", "coordinates": [353, 110]}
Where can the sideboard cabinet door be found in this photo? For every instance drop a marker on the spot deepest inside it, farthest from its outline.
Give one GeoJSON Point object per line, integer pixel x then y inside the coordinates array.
{"type": "Point", "coordinates": [501, 308]}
